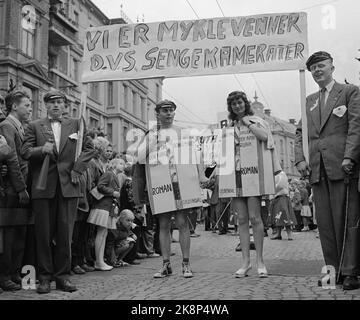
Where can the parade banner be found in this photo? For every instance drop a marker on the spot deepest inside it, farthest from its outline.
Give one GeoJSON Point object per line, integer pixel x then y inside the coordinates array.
{"type": "Point", "coordinates": [266, 42]}
{"type": "Point", "coordinates": [251, 166]}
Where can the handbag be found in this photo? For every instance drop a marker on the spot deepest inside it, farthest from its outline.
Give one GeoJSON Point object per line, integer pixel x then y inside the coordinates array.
{"type": "Point", "coordinates": [96, 194]}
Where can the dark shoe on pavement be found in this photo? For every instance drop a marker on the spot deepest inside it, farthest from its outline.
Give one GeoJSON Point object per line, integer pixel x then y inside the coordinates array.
{"type": "Point", "coordinates": [252, 246]}
{"type": "Point", "coordinates": [43, 287]}
{"type": "Point", "coordinates": [87, 268]}
{"type": "Point", "coordinates": [351, 283]}
{"type": "Point", "coordinates": [238, 247]}
{"type": "Point", "coordinates": [65, 285]}
{"type": "Point", "coordinates": [16, 279]}
{"type": "Point", "coordinates": [276, 238]}
{"type": "Point", "coordinates": [165, 271]}
{"type": "Point", "coordinates": [221, 233]}
{"type": "Point", "coordinates": [78, 270]}
{"type": "Point", "coordinates": [8, 285]}
{"type": "Point", "coordinates": [134, 263]}
{"type": "Point", "coordinates": [141, 255]}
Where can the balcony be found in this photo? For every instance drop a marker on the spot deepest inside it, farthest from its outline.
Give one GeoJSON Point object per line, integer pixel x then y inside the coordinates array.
{"type": "Point", "coordinates": [59, 11]}
{"type": "Point", "coordinates": [60, 35]}
{"type": "Point", "coordinates": [62, 81]}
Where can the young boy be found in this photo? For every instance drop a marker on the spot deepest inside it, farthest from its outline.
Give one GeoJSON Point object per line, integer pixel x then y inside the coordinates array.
{"type": "Point", "coordinates": [119, 242]}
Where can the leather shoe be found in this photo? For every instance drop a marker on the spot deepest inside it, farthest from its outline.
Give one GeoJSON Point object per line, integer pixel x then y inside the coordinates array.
{"type": "Point", "coordinates": [65, 285]}
{"type": "Point", "coordinates": [134, 263]}
{"type": "Point", "coordinates": [351, 283]}
{"type": "Point", "coordinates": [8, 285]}
{"type": "Point", "coordinates": [16, 279]}
{"type": "Point", "coordinates": [78, 270]}
{"type": "Point", "coordinates": [87, 268]}
{"type": "Point", "coordinates": [43, 287]}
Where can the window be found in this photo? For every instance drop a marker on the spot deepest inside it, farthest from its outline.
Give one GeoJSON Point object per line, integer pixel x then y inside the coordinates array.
{"type": "Point", "coordinates": [143, 109]}
{"type": "Point", "coordinates": [94, 90]}
{"type": "Point", "coordinates": [291, 148]}
{"type": "Point", "coordinates": [125, 130]}
{"type": "Point", "coordinates": [134, 103]}
{"type": "Point", "coordinates": [126, 96]}
{"type": "Point", "coordinates": [109, 132]}
{"type": "Point", "coordinates": [28, 41]}
{"type": "Point", "coordinates": [158, 95]}
{"type": "Point", "coordinates": [281, 146]}
{"type": "Point", "coordinates": [74, 69]}
{"type": "Point", "coordinates": [94, 123]}
{"type": "Point", "coordinates": [62, 60]}
{"type": "Point", "coordinates": [110, 98]}
{"type": "Point", "coordinates": [76, 17]}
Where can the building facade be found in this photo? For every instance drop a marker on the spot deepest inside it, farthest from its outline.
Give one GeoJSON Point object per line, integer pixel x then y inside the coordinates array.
{"type": "Point", "coordinates": [282, 131]}
{"type": "Point", "coordinates": [41, 47]}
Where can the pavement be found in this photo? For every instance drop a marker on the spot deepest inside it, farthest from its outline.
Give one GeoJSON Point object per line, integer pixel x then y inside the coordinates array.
{"type": "Point", "coordinates": [293, 266]}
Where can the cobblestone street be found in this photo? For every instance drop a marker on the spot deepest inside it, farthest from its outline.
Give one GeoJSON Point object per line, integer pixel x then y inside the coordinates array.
{"type": "Point", "coordinates": [294, 268]}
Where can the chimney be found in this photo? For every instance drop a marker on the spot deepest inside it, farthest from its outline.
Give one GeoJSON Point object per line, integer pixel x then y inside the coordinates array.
{"type": "Point", "coordinates": [267, 112]}
{"type": "Point", "coordinates": [292, 121]}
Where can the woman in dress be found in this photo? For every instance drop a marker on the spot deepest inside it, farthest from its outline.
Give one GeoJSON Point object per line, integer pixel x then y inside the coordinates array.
{"type": "Point", "coordinates": [104, 211]}
{"type": "Point", "coordinates": [248, 208]}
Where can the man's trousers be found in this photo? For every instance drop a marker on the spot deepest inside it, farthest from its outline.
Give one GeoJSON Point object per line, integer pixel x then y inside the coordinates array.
{"type": "Point", "coordinates": [330, 203]}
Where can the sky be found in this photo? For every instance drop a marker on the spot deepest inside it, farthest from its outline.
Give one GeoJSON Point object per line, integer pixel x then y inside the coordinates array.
{"type": "Point", "coordinates": [332, 26]}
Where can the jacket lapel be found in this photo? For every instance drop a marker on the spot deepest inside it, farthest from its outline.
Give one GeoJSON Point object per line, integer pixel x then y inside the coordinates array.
{"type": "Point", "coordinates": [65, 132]}
{"type": "Point", "coordinates": [330, 103]}
{"type": "Point", "coordinates": [313, 105]}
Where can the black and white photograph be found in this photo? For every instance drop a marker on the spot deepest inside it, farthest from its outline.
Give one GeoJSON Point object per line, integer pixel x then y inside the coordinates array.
{"type": "Point", "coordinates": [197, 152]}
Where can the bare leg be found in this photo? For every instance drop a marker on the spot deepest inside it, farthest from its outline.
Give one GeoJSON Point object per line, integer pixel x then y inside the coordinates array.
{"type": "Point", "coordinates": [100, 245]}
{"type": "Point", "coordinates": [240, 207]}
{"type": "Point", "coordinates": [181, 219]}
{"type": "Point", "coordinates": [164, 236]}
{"type": "Point", "coordinates": [254, 209]}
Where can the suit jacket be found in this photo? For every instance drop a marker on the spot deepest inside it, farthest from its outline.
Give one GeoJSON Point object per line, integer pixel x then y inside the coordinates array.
{"type": "Point", "coordinates": [14, 137]}
{"type": "Point", "coordinates": [336, 137]}
{"type": "Point", "coordinates": [62, 163]}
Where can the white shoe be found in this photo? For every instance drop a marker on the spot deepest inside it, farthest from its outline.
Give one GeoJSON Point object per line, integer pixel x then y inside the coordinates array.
{"type": "Point", "coordinates": [241, 273]}
{"type": "Point", "coordinates": [103, 267]}
{"type": "Point", "coordinates": [262, 272]}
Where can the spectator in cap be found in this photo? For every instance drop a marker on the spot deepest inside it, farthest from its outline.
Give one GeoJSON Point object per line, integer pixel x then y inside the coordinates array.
{"type": "Point", "coordinates": [333, 121]}
{"type": "Point", "coordinates": [55, 206]}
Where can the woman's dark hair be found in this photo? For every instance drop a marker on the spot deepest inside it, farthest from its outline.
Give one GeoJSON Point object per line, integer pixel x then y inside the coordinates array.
{"type": "Point", "coordinates": [233, 96]}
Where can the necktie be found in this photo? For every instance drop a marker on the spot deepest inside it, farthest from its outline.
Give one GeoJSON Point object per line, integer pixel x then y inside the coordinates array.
{"type": "Point", "coordinates": [322, 102]}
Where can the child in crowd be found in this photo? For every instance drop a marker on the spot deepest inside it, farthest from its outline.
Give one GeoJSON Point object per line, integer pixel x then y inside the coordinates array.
{"type": "Point", "coordinates": [104, 212]}
{"type": "Point", "coordinates": [120, 241]}
{"type": "Point", "coordinates": [281, 212]}
{"type": "Point", "coordinates": [305, 205]}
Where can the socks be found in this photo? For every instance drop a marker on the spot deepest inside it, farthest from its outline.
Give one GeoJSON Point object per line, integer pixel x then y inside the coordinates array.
{"type": "Point", "coordinates": [185, 261]}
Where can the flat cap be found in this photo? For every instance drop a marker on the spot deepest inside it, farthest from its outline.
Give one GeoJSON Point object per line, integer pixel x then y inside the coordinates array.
{"type": "Point", "coordinates": [54, 94]}
{"type": "Point", "coordinates": [165, 103]}
{"type": "Point", "coordinates": [317, 57]}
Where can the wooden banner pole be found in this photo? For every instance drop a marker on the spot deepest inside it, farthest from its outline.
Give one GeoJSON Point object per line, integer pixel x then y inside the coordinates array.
{"type": "Point", "coordinates": [305, 141]}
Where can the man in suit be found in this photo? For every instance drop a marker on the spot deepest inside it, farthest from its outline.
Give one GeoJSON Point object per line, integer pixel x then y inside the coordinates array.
{"type": "Point", "coordinates": [14, 221]}
{"type": "Point", "coordinates": [333, 115]}
{"type": "Point", "coordinates": [55, 206]}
